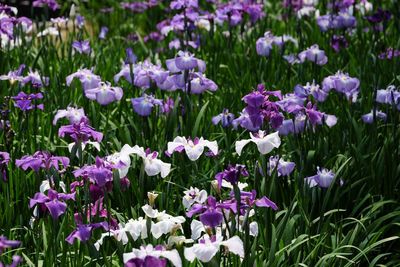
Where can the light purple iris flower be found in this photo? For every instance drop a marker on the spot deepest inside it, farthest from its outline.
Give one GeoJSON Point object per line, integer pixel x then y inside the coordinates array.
{"type": "Point", "coordinates": [180, 4]}
{"type": "Point", "coordinates": [295, 126]}
{"type": "Point", "coordinates": [143, 74]}
{"type": "Point", "coordinates": [284, 168]}
{"type": "Point", "coordinates": [104, 93]}
{"type": "Point", "coordinates": [88, 79]}
{"type": "Point", "coordinates": [342, 83]}
{"type": "Point", "coordinates": [389, 96]}
{"type": "Point", "coordinates": [369, 117]}
{"type": "Point", "coordinates": [52, 4]}
{"type": "Point", "coordinates": [80, 21]}
{"type": "Point", "coordinates": [103, 33]}
{"type": "Point", "coordinates": [80, 132]}
{"type": "Point", "coordinates": [74, 115]}
{"type": "Point", "coordinates": [313, 54]}
{"type": "Point", "coordinates": [14, 76]}
{"type": "Point", "coordinates": [4, 160]}
{"type": "Point", "coordinates": [323, 178]}
{"type": "Point", "coordinates": [185, 61]}
{"type": "Point", "coordinates": [54, 202]}
{"type": "Point", "coordinates": [41, 159]}
{"type": "Point", "coordinates": [265, 44]}
{"type": "Point", "coordinates": [26, 102]}
{"type": "Point", "coordinates": [83, 232]}
{"type": "Point", "coordinates": [198, 83]}
{"type": "Point", "coordinates": [35, 79]}
{"type": "Point", "coordinates": [225, 118]}
{"type": "Point", "coordinates": [144, 105]}
{"type": "Point", "coordinates": [311, 89]}
{"type": "Point", "coordinates": [245, 121]}
{"type": "Point", "coordinates": [130, 58]}
{"type": "Point", "coordinates": [82, 47]}
{"type": "Point", "coordinates": [5, 243]}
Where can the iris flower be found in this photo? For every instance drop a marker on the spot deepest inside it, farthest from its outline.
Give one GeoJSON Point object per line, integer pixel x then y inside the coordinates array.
{"type": "Point", "coordinates": [265, 142]}
{"type": "Point", "coordinates": [193, 148]}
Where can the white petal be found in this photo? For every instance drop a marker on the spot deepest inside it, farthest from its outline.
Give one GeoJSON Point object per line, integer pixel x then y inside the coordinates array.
{"type": "Point", "coordinates": [149, 211]}
{"type": "Point", "coordinates": [178, 141]}
{"type": "Point", "coordinates": [194, 152]}
{"type": "Point", "coordinates": [253, 228]}
{"type": "Point", "coordinates": [197, 228]}
{"type": "Point", "coordinates": [173, 257]}
{"type": "Point", "coordinates": [212, 145]}
{"type": "Point", "coordinates": [268, 143]}
{"type": "Point", "coordinates": [205, 252]}
{"type": "Point", "coordinates": [234, 245]}
{"type": "Point", "coordinates": [240, 144]}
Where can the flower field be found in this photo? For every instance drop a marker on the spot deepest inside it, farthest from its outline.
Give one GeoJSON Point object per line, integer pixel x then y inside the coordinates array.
{"type": "Point", "coordinates": [200, 133]}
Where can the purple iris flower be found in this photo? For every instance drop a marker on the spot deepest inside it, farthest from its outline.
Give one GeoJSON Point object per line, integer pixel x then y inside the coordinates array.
{"type": "Point", "coordinates": [5, 243]}
{"type": "Point", "coordinates": [35, 79]}
{"type": "Point", "coordinates": [52, 4]}
{"type": "Point", "coordinates": [88, 79]}
{"type": "Point", "coordinates": [24, 101]}
{"type": "Point", "coordinates": [369, 117]}
{"type": "Point", "coordinates": [41, 159]}
{"type": "Point", "coordinates": [14, 76]}
{"type": "Point", "coordinates": [100, 173]}
{"type": "Point", "coordinates": [390, 53]}
{"type": "Point", "coordinates": [185, 61]}
{"type": "Point", "coordinates": [130, 58]}
{"type": "Point", "coordinates": [342, 83]}
{"type": "Point", "coordinates": [104, 93]}
{"type": "Point", "coordinates": [4, 160]}
{"type": "Point", "coordinates": [380, 16]}
{"type": "Point", "coordinates": [247, 200]}
{"type": "Point", "coordinates": [211, 214]}
{"type": "Point", "coordinates": [168, 105]}
{"type": "Point", "coordinates": [295, 126]}
{"type": "Point", "coordinates": [83, 232]}
{"type": "Point", "coordinates": [144, 74]}
{"type": "Point", "coordinates": [80, 21]}
{"type": "Point", "coordinates": [231, 174]}
{"type": "Point", "coordinates": [313, 54]}
{"type": "Point", "coordinates": [83, 47]}
{"type": "Point", "coordinates": [103, 33]}
{"type": "Point", "coordinates": [338, 42]}
{"type": "Point", "coordinates": [137, 7]}
{"type": "Point", "coordinates": [323, 178]}
{"type": "Point", "coordinates": [54, 202]}
{"type": "Point", "coordinates": [284, 168]}
{"type": "Point", "coordinates": [197, 80]}
{"type": "Point", "coordinates": [225, 118]}
{"type": "Point", "coordinates": [144, 105]}
{"type": "Point", "coordinates": [245, 121]}
{"type": "Point", "coordinates": [311, 89]}
{"type": "Point", "coordinates": [181, 4]}
{"type": "Point", "coordinates": [147, 261]}
{"type": "Point", "coordinates": [80, 132]}
{"type": "Point", "coordinates": [389, 96]}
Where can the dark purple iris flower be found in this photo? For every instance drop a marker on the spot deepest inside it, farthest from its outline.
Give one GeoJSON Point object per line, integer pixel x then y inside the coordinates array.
{"type": "Point", "coordinates": [83, 232]}
{"type": "Point", "coordinates": [4, 160]}
{"type": "Point", "coordinates": [339, 42]}
{"type": "Point", "coordinates": [54, 202]}
{"type": "Point", "coordinates": [231, 174]}
{"type": "Point", "coordinates": [380, 16]}
{"type": "Point", "coordinates": [26, 102]}
{"type": "Point", "coordinates": [261, 108]}
{"type": "Point", "coordinates": [41, 159]}
{"type": "Point", "coordinates": [211, 214]}
{"type": "Point", "coordinates": [147, 261]}
{"type": "Point", "coordinates": [80, 132]}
